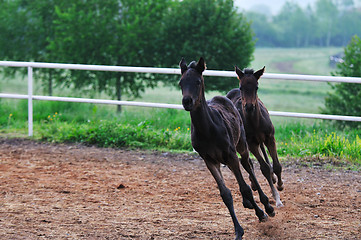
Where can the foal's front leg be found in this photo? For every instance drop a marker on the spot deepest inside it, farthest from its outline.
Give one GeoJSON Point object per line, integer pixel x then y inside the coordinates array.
{"type": "Point", "coordinates": [226, 196]}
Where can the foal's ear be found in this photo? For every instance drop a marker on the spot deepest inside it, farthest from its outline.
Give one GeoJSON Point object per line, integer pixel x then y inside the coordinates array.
{"type": "Point", "coordinates": [259, 73]}
{"type": "Point", "coordinates": [201, 66]}
{"type": "Point", "coordinates": [239, 72]}
{"type": "Point", "coordinates": [183, 65]}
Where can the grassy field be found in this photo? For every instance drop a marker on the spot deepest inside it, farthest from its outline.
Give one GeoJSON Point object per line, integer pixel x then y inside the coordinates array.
{"type": "Point", "coordinates": [294, 96]}
{"type": "Point", "coordinates": [167, 129]}
{"type": "Point", "coordinates": [278, 95]}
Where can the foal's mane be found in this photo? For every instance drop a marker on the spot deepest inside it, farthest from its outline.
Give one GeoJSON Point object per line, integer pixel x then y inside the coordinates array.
{"type": "Point", "coordinates": [192, 64]}
{"type": "Point", "coordinates": [248, 71]}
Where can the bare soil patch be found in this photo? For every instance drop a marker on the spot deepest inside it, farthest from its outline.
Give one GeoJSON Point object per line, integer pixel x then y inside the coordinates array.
{"type": "Point", "coordinates": [52, 191]}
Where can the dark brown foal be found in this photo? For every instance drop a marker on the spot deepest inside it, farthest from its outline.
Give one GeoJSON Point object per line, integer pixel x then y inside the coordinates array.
{"type": "Point", "coordinates": [259, 128]}
{"type": "Point", "coordinates": [215, 134]}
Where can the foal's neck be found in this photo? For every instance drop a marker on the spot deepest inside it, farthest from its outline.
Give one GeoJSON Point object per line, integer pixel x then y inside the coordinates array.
{"type": "Point", "coordinates": [200, 116]}
{"type": "Point", "coordinates": [254, 119]}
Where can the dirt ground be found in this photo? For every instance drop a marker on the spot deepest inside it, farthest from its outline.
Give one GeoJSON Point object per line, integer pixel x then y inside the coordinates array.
{"type": "Point", "coordinates": [52, 191]}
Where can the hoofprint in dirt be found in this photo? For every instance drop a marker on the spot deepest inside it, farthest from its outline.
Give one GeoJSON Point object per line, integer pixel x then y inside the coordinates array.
{"type": "Point", "coordinates": [52, 191]}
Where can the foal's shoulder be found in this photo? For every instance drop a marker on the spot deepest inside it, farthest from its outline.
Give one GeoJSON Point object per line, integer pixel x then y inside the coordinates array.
{"type": "Point", "coordinates": [262, 107]}
{"type": "Point", "coordinates": [265, 116]}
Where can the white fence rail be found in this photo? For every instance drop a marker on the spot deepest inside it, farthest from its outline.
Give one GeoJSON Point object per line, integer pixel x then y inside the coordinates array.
{"type": "Point", "coordinates": [31, 97]}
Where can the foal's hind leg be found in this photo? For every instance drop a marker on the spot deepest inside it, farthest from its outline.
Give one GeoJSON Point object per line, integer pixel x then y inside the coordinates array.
{"type": "Point", "coordinates": [263, 198]}
{"type": "Point", "coordinates": [266, 171]}
{"type": "Point", "coordinates": [253, 185]}
{"type": "Point", "coordinates": [245, 189]}
{"type": "Point", "coordinates": [274, 178]}
{"type": "Point", "coordinates": [226, 196]}
{"type": "Point", "coordinates": [277, 168]}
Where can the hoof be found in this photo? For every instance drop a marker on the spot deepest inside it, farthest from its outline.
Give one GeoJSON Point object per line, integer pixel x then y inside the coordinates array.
{"type": "Point", "coordinates": [270, 211]}
{"type": "Point", "coordinates": [279, 204]}
{"type": "Point", "coordinates": [239, 234]}
{"type": "Point", "coordinates": [238, 238]}
{"type": "Point", "coordinates": [264, 218]}
{"type": "Point", "coordinates": [280, 187]}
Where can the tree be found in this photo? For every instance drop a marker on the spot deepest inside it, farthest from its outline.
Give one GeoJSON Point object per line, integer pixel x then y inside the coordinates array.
{"type": "Point", "coordinates": [265, 31]}
{"type": "Point", "coordinates": [12, 28]}
{"type": "Point", "coordinates": [211, 29]}
{"type": "Point", "coordinates": [348, 23]}
{"type": "Point", "coordinates": [112, 33]}
{"type": "Point", "coordinates": [293, 25]}
{"type": "Point", "coordinates": [26, 28]}
{"type": "Point", "coordinates": [346, 98]}
{"type": "Point", "coordinates": [326, 23]}
{"type": "Point", "coordinates": [123, 32]}
{"type": "Point", "coordinates": [327, 15]}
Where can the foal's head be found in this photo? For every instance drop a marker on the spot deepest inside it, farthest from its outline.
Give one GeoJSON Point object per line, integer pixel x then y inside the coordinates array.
{"type": "Point", "coordinates": [192, 83]}
{"type": "Point", "coordinates": [248, 84]}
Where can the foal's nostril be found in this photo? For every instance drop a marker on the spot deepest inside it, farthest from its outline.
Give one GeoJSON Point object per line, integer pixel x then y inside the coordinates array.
{"type": "Point", "coordinates": [187, 102]}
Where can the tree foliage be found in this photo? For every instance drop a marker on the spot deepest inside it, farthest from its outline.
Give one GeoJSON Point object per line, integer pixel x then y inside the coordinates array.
{"type": "Point", "coordinates": [346, 98]}
{"type": "Point", "coordinates": [326, 23]}
{"type": "Point", "coordinates": [26, 28]}
{"type": "Point", "coordinates": [211, 29]}
{"type": "Point", "coordinates": [107, 33]}
{"type": "Point", "coordinates": [123, 32]}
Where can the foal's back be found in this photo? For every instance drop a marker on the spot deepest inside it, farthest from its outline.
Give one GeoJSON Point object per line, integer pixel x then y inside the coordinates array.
{"type": "Point", "coordinates": [224, 109]}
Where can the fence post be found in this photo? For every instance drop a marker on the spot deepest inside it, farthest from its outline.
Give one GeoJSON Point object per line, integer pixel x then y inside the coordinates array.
{"type": "Point", "coordinates": [30, 101]}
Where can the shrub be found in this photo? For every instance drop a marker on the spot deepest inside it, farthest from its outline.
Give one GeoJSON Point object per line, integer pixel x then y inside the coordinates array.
{"type": "Point", "coordinates": [346, 98]}
{"type": "Point", "coordinates": [106, 133]}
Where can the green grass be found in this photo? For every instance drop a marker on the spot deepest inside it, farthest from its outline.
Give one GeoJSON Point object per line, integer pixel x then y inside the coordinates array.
{"type": "Point", "coordinates": [320, 140]}
{"type": "Point", "coordinates": [312, 61]}
{"type": "Point", "coordinates": [294, 96]}
{"type": "Point", "coordinates": [105, 133]}
{"type": "Point", "coordinates": [168, 129]}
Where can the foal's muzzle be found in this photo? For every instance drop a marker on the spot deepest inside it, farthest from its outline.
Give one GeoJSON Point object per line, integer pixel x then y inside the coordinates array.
{"type": "Point", "coordinates": [187, 102]}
